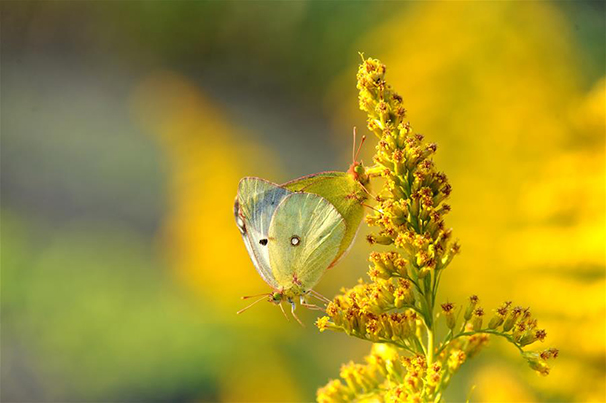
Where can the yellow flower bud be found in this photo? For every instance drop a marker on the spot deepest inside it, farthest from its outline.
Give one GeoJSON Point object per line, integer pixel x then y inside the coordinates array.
{"type": "Point", "coordinates": [373, 329]}
{"type": "Point", "coordinates": [535, 362]}
{"type": "Point", "coordinates": [499, 316]}
{"type": "Point", "coordinates": [512, 318]}
{"type": "Point", "coordinates": [448, 312]}
{"type": "Point", "coordinates": [476, 319]}
{"type": "Point", "coordinates": [473, 301]}
{"type": "Point", "coordinates": [380, 239]}
{"type": "Point", "coordinates": [322, 323]}
{"type": "Point", "coordinates": [403, 294]}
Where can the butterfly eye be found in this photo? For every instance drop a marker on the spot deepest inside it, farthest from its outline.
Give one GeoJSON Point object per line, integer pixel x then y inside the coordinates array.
{"type": "Point", "coordinates": [263, 242]}
{"type": "Point", "coordinates": [295, 240]}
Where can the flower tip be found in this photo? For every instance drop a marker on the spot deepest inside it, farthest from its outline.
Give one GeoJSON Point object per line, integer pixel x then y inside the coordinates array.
{"type": "Point", "coordinates": [322, 323]}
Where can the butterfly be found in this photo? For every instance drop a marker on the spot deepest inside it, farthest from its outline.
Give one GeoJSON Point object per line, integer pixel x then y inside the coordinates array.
{"type": "Point", "coordinates": [294, 232]}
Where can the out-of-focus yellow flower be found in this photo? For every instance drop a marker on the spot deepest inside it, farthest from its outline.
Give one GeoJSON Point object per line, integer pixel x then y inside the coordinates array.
{"type": "Point", "coordinates": [207, 156]}
{"type": "Point", "coordinates": [495, 383]}
{"type": "Point", "coordinates": [259, 376]}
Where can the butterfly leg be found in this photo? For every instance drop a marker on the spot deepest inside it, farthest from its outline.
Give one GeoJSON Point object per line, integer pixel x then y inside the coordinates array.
{"type": "Point", "coordinates": [307, 305]}
{"type": "Point", "coordinates": [377, 198]}
{"type": "Point", "coordinates": [283, 311]}
{"type": "Point", "coordinates": [361, 200]}
{"type": "Point", "coordinates": [292, 311]}
{"type": "Point", "coordinates": [319, 296]}
{"type": "Point", "coordinates": [312, 307]}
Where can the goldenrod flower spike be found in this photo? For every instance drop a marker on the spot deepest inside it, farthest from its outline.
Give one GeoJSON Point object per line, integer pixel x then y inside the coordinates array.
{"type": "Point", "coordinates": [395, 309]}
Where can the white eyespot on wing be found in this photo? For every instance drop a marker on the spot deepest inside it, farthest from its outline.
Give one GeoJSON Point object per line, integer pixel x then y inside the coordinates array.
{"type": "Point", "coordinates": [307, 231]}
{"type": "Point", "coordinates": [256, 203]}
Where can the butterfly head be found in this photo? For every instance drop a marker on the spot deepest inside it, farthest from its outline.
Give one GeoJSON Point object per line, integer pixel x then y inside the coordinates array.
{"type": "Point", "coordinates": [358, 172]}
{"type": "Point", "coordinates": [276, 298]}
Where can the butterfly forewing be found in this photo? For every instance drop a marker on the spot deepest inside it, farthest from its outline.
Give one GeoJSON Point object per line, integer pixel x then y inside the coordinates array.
{"type": "Point", "coordinates": [304, 238]}
{"type": "Point", "coordinates": [343, 192]}
{"type": "Point", "coordinates": [256, 203]}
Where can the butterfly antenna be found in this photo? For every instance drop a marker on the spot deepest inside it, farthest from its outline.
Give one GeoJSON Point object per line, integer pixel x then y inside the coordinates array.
{"type": "Point", "coordinates": [359, 148]}
{"type": "Point", "coordinates": [265, 294]}
{"type": "Point", "coordinates": [292, 311]}
{"type": "Point", "coordinates": [353, 146]}
{"type": "Point", "coordinates": [259, 300]}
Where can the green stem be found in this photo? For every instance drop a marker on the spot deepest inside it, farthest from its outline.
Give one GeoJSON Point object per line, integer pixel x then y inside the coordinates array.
{"type": "Point", "coordinates": [429, 311]}
{"type": "Point", "coordinates": [428, 294]}
{"type": "Point", "coordinates": [436, 284]}
{"type": "Point", "coordinates": [447, 338]}
{"type": "Point", "coordinates": [430, 341]}
{"type": "Point", "coordinates": [420, 346]}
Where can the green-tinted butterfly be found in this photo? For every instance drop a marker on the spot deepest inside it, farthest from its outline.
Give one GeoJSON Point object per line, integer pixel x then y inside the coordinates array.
{"type": "Point", "coordinates": [295, 231]}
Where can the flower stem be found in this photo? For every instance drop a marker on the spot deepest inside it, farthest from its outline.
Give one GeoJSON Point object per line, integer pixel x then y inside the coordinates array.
{"type": "Point", "coordinates": [430, 341]}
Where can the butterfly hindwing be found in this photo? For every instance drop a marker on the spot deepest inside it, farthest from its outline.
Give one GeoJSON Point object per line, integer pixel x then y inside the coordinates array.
{"type": "Point", "coordinates": [256, 204]}
{"type": "Point", "coordinates": [305, 235]}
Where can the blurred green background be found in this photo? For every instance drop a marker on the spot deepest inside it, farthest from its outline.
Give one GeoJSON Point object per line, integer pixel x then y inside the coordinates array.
{"type": "Point", "coordinates": [127, 125]}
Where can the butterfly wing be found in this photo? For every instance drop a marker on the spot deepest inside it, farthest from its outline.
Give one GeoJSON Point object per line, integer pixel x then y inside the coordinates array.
{"type": "Point", "coordinates": [305, 234]}
{"type": "Point", "coordinates": [255, 205]}
{"type": "Point", "coordinates": [344, 192]}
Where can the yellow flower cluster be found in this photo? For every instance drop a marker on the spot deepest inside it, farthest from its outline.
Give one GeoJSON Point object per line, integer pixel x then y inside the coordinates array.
{"type": "Point", "coordinates": [514, 324]}
{"type": "Point", "coordinates": [396, 308]}
{"type": "Point", "coordinates": [411, 207]}
{"type": "Point", "coordinates": [390, 377]}
{"type": "Point", "coordinates": [385, 376]}
{"type": "Point", "coordinates": [362, 312]}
